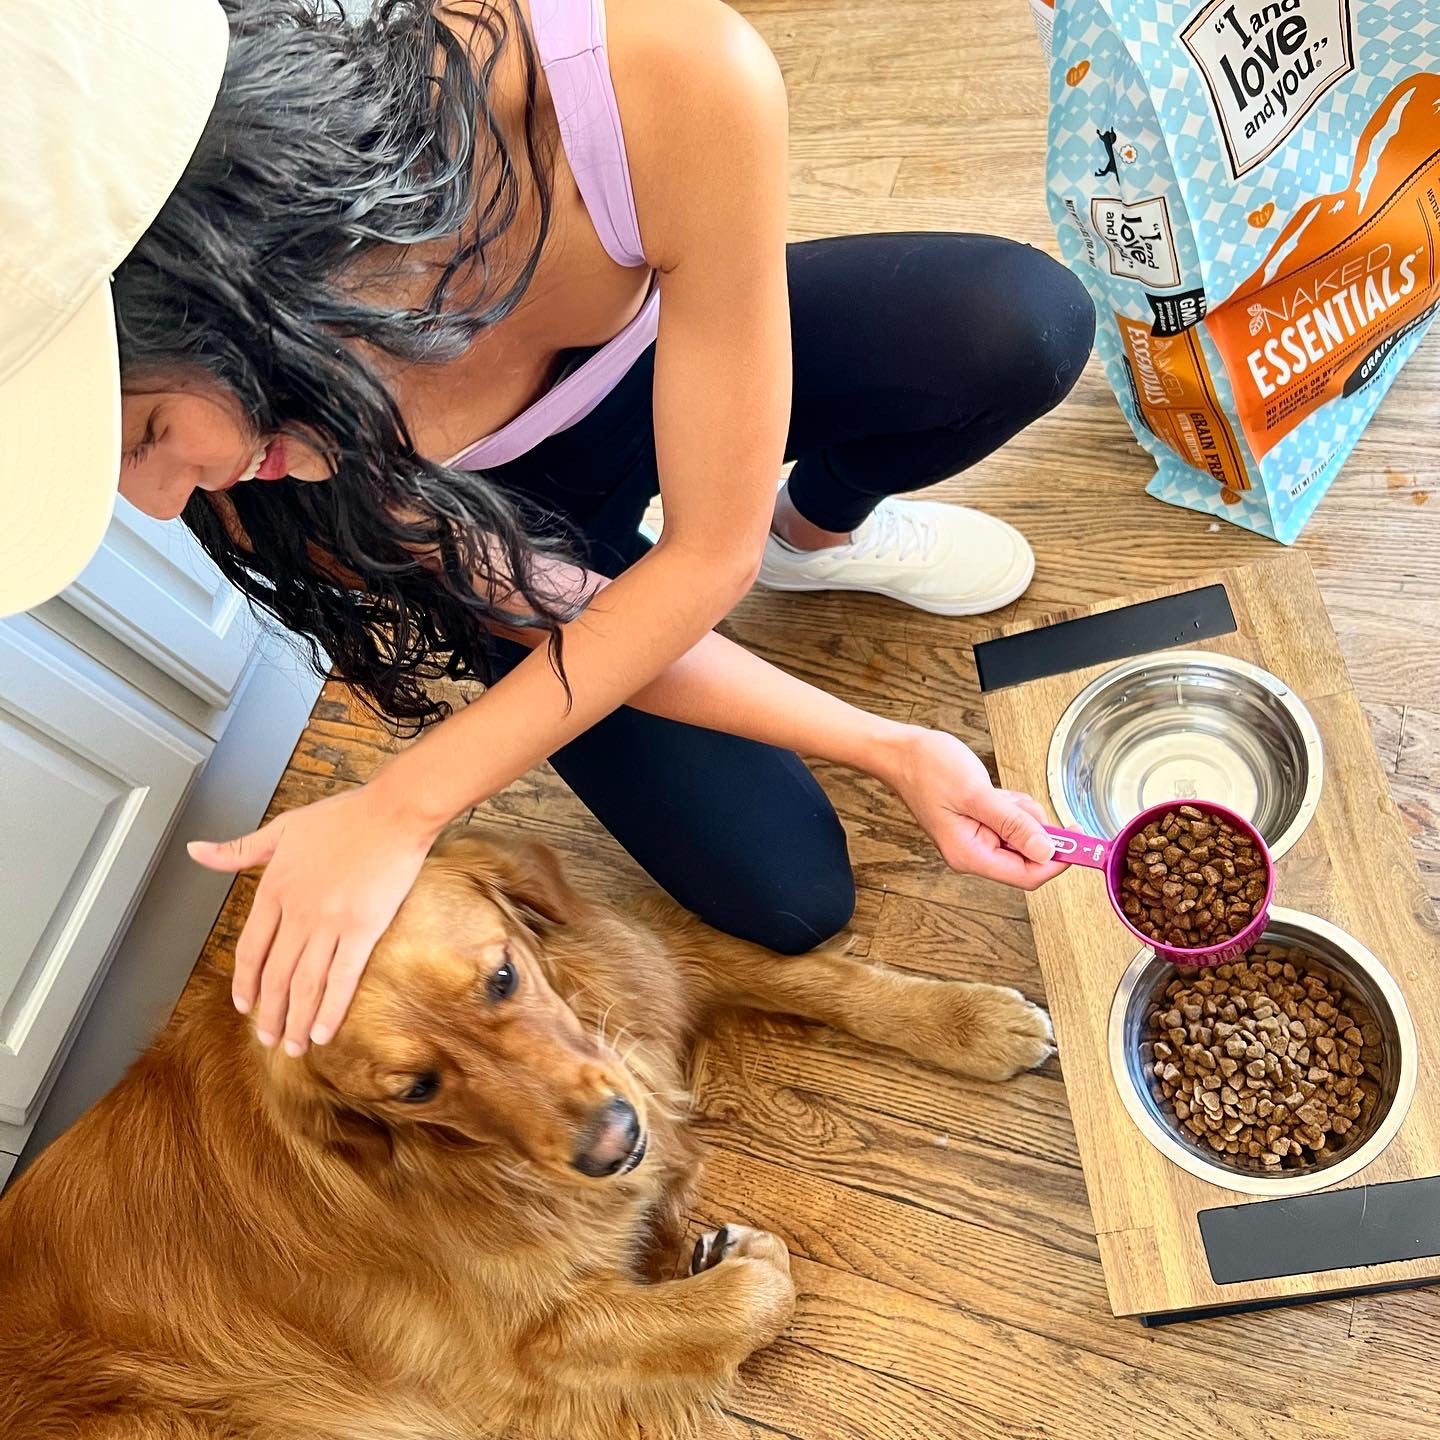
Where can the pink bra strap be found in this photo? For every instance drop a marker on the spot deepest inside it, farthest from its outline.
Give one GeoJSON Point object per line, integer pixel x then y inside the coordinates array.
{"type": "Point", "coordinates": [570, 38]}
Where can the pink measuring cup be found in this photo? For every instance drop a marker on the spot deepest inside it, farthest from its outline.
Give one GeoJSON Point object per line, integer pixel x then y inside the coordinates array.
{"type": "Point", "coordinates": [1073, 848]}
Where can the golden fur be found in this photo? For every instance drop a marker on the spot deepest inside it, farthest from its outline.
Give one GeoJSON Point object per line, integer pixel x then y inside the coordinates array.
{"type": "Point", "coordinates": [235, 1245]}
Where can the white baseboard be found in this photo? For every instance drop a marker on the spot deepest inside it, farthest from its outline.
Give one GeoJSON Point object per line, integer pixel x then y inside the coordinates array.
{"type": "Point", "coordinates": [179, 906]}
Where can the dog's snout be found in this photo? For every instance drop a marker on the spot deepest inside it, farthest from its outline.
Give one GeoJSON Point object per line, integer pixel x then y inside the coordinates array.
{"type": "Point", "coordinates": [611, 1141]}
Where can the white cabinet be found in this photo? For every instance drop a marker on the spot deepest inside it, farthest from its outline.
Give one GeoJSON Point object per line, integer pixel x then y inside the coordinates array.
{"type": "Point", "coordinates": [93, 775]}
{"type": "Point", "coordinates": [153, 588]}
{"type": "Point", "coordinates": [143, 707]}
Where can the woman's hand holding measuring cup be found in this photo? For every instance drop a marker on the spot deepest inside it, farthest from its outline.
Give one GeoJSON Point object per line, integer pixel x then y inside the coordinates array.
{"type": "Point", "coordinates": [977, 828]}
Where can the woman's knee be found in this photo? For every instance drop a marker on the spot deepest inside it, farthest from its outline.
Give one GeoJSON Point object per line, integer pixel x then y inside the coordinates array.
{"type": "Point", "coordinates": [789, 898]}
{"type": "Point", "coordinates": [809, 915]}
{"type": "Point", "coordinates": [740, 834]}
{"type": "Point", "coordinates": [1012, 327]}
{"type": "Point", "coordinates": [1043, 328]}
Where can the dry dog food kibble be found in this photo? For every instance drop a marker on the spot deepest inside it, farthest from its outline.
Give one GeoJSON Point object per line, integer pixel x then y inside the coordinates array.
{"type": "Point", "coordinates": [1191, 880]}
{"type": "Point", "coordinates": [1266, 1061]}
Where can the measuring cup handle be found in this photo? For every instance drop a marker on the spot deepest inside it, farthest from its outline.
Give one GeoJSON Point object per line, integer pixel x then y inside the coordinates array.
{"type": "Point", "coordinates": [1073, 848]}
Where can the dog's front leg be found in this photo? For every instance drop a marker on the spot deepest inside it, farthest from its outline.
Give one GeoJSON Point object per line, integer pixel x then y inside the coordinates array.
{"type": "Point", "coordinates": [681, 1340]}
{"type": "Point", "coordinates": [988, 1031]}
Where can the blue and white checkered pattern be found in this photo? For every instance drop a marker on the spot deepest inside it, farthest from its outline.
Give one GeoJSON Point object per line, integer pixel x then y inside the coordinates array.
{"type": "Point", "coordinates": [1142, 83]}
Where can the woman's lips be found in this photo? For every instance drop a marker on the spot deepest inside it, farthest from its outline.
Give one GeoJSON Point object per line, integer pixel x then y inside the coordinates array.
{"type": "Point", "coordinates": [246, 472]}
{"type": "Point", "coordinates": [273, 466]}
{"type": "Point", "coordinates": [267, 464]}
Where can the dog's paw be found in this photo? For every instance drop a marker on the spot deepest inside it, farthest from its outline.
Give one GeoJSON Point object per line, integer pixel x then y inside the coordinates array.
{"type": "Point", "coordinates": [759, 1284]}
{"type": "Point", "coordinates": [738, 1240]}
{"type": "Point", "coordinates": [994, 1032]}
{"type": "Point", "coordinates": [710, 1249]}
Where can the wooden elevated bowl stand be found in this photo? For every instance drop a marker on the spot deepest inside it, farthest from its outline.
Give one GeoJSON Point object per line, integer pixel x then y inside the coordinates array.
{"type": "Point", "coordinates": [1174, 1246]}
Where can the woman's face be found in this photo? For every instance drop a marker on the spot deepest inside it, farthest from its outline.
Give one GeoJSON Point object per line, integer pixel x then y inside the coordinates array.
{"type": "Point", "coordinates": [178, 441]}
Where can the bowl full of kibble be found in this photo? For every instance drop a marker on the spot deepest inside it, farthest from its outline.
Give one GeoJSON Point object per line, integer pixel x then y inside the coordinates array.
{"type": "Point", "coordinates": [1282, 1071]}
{"type": "Point", "coordinates": [1192, 880]}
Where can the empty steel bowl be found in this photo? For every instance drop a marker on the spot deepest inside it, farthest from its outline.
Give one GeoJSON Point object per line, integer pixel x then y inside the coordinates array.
{"type": "Point", "coordinates": [1359, 973]}
{"type": "Point", "coordinates": [1187, 725]}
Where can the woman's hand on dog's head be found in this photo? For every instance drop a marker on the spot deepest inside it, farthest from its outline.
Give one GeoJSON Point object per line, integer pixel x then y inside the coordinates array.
{"type": "Point", "coordinates": [336, 873]}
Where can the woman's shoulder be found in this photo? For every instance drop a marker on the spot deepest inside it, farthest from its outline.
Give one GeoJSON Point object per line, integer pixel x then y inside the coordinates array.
{"type": "Point", "coordinates": [696, 85]}
{"type": "Point", "coordinates": [658, 49]}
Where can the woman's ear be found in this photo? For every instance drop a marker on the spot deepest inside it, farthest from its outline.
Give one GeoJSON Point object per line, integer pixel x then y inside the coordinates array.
{"type": "Point", "coordinates": [526, 874]}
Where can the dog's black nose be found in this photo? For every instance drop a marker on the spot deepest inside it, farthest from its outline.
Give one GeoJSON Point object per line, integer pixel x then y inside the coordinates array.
{"type": "Point", "coordinates": [610, 1140]}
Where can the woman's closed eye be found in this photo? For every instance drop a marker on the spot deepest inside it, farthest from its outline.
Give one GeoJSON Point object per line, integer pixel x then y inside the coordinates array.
{"type": "Point", "coordinates": [142, 447]}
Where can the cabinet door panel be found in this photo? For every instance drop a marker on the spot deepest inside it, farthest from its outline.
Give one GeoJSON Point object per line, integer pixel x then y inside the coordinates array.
{"type": "Point", "coordinates": [91, 776]}
{"type": "Point", "coordinates": [153, 588]}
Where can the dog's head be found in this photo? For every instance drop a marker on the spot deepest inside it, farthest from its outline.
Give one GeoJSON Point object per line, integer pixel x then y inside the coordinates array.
{"type": "Point", "coordinates": [457, 1037]}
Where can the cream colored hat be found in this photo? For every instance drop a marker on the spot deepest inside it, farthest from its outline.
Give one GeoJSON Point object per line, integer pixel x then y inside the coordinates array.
{"type": "Point", "coordinates": [101, 105]}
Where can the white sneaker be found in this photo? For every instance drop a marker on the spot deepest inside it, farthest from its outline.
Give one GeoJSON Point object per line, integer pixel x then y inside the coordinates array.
{"type": "Point", "coordinates": [942, 558]}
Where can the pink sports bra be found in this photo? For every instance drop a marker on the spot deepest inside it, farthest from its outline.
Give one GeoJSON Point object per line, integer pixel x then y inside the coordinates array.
{"type": "Point", "coordinates": [570, 40]}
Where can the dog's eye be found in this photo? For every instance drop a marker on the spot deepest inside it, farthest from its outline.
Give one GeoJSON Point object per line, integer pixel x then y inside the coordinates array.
{"type": "Point", "coordinates": [424, 1087]}
{"type": "Point", "coordinates": [502, 983]}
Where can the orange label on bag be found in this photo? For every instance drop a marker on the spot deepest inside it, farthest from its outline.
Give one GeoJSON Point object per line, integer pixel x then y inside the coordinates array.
{"type": "Point", "coordinates": [1171, 387]}
{"type": "Point", "coordinates": [1350, 276]}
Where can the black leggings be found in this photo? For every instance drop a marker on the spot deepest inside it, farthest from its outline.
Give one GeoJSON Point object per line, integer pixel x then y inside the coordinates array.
{"type": "Point", "coordinates": [914, 357]}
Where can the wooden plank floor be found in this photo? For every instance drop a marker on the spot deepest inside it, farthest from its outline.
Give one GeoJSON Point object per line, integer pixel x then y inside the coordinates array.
{"type": "Point", "coordinates": [945, 1256]}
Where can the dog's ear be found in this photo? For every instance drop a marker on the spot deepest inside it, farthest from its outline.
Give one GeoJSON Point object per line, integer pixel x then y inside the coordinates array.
{"type": "Point", "coordinates": [307, 1107]}
{"type": "Point", "coordinates": [359, 1140]}
{"type": "Point", "coordinates": [533, 879]}
{"type": "Point", "coordinates": [527, 875]}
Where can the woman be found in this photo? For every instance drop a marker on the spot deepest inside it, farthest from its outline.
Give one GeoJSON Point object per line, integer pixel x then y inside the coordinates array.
{"type": "Point", "coordinates": [396, 237]}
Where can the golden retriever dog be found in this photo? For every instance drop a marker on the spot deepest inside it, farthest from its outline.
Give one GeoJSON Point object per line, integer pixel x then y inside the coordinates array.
{"type": "Point", "coordinates": [463, 1217]}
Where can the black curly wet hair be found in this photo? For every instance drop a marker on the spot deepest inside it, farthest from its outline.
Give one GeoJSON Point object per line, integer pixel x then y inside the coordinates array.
{"type": "Point", "coordinates": [331, 138]}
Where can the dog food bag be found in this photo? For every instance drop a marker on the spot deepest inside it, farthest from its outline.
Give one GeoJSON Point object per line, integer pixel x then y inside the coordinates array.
{"type": "Point", "coordinates": [1251, 191]}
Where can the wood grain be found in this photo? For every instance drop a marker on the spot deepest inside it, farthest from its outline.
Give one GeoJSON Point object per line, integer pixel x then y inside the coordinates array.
{"type": "Point", "coordinates": [931, 114]}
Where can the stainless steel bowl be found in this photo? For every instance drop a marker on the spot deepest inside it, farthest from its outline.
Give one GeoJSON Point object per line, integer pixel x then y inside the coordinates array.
{"type": "Point", "coordinates": [1360, 974]}
{"type": "Point", "coordinates": [1183, 726]}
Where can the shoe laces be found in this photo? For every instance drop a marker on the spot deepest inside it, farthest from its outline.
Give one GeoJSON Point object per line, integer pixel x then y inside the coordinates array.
{"type": "Point", "coordinates": [894, 532]}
